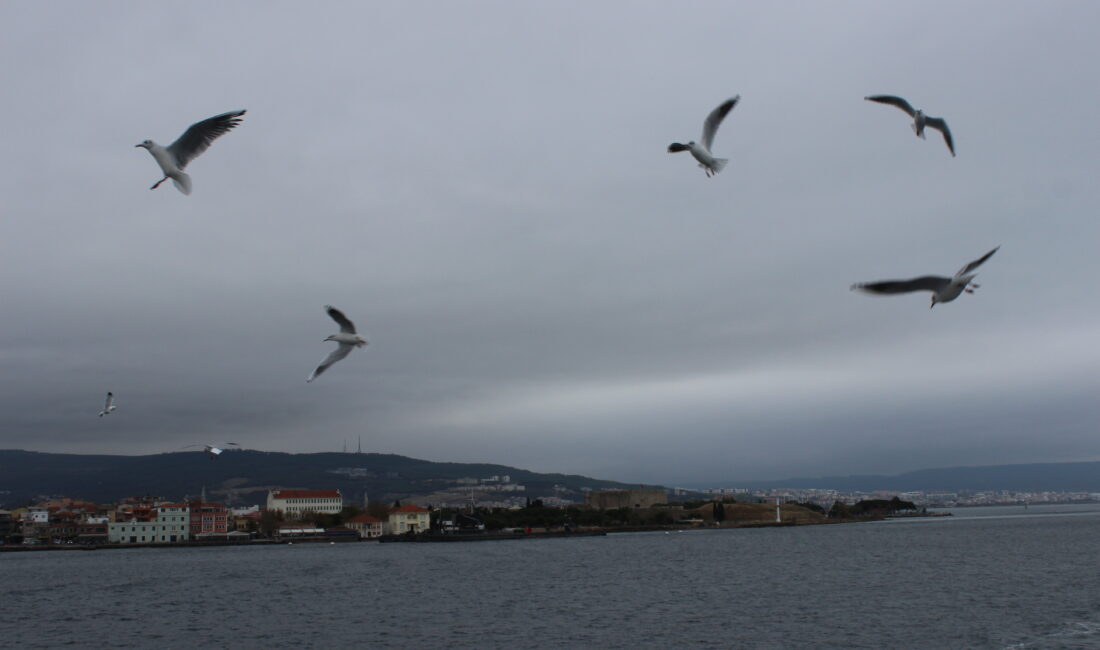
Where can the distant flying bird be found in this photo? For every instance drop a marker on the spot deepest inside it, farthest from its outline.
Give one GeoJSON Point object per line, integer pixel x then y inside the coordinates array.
{"type": "Point", "coordinates": [195, 140]}
{"type": "Point", "coordinates": [213, 450]}
{"type": "Point", "coordinates": [943, 289]}
{"type": "Point", "coordinates": [347, 340]}
{"type": "Point", "coordinates": [108, 406]}
{"type": "Point", "coordinates": [701, 152]}
{"type": "Point", "coordinates": [920, 120]}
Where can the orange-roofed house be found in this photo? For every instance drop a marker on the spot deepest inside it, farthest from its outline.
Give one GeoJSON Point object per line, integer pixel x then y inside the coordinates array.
{"type": "Point", "coordinates": [408, 519]}
{"type": "Point", "coordinates": [366, 525]}
{"type": "Point", "coordinates": [293, 503]}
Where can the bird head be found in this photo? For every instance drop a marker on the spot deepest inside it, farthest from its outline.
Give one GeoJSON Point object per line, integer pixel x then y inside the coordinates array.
{"type": "Point", "coordinates": [330, 337]}
{"type": "Point", "coordinates": [145, 144]}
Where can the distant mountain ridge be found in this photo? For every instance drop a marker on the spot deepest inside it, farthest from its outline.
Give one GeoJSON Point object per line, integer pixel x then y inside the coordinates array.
{"type": "Point", "coordinates": [244, 477]}
{"type": "Point", "coordinates": [1031, 477]}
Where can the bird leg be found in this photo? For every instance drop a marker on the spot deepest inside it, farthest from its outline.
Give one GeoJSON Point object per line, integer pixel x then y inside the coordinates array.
{"type": "Point", "coordinates": [158, 183]}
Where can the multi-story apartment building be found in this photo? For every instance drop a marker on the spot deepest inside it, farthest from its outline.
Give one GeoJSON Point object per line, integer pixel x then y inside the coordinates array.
{"type": "Point", "coordinates": [170, 523]}
{"type": "Point", "coordinates": [208, 519]}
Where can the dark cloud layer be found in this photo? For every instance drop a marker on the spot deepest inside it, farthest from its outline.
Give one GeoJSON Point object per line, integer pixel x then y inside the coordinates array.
{"type": "Point", "coordinates": [483, 188]}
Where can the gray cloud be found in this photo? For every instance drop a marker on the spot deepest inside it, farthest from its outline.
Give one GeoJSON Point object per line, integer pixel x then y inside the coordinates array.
{"type": "Point", "coordinates": [484, 190]}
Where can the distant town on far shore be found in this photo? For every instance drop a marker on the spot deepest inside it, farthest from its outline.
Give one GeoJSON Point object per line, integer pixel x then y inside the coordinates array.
{"type": "Point", "coordinates": [246, 495]}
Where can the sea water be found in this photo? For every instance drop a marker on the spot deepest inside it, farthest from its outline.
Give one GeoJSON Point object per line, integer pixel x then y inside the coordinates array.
{"type": "Point", "coordinates": [984, 578]}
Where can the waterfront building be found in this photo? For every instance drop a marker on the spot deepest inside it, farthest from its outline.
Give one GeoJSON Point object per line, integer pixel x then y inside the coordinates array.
{"type": "Point", "coordinates": [92, 531]}
{"type": "Point", "coordinates": [293, 503]}
{"type": "Point", "coordinates": [366, 525]}
{"type": "Point", "coordinates": [208, 519]}
{"type": "Point", "coordinates": [408, 519]}
{"type": "Point", "coordinates": [171, 522]}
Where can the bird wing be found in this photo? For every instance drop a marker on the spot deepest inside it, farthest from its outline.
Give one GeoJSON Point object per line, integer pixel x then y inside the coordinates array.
{"type": "Point", "coordinates": [198, 137]}
{"type": "Point", "coordinates": [710, 126]}
{"type": "Point", "coordinates": [346, 326]}
{"type": "Point", "coordinates": [976, 263]}
{"type": "Point", "coordinates": [893, 100]}
{"type": "Point", "coordinates": [932, 283]}
{"type": "Point", "coordinates": [940, 125]}
{"type": "Point", "coordinates": [676, 147]}
{"type": "Point", "coordinates": [340, 352]}
{"type": "Point", "coordinates": [110, 400]}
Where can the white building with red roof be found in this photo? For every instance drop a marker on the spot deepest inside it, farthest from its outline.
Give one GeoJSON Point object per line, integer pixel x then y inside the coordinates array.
{"type": "Point", "coordinates": [294, 502]}
{"type": "Point", "coordinates": [408, 519]}
{"type": "Point", "coordinates": [366, 525]}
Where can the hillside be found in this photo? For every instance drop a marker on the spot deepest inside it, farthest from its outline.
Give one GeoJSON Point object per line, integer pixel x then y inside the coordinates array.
{"type": "Point", "coordinates": [1033, 477]}
{"type": "Point", "coordinates": [244, 477]}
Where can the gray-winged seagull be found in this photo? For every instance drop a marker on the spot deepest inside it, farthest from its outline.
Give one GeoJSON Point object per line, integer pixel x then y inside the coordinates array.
{"type": "Point", "coordinates": [943, 289]}
{"type": "Point", "coordinates": [920, 120]}
{"type": "Point", "coordinates": [195, 140]}
{"type": "Point", "coordinates": [347, 340]}
{"type": "Point", "coordinates": [701, 152]}
{"type": "Point", "coordinates": [109, 405]}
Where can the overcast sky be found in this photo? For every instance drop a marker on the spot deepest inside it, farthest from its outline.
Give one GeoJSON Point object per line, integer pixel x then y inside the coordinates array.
{"type": "Point", "coordinates": [484, 189]}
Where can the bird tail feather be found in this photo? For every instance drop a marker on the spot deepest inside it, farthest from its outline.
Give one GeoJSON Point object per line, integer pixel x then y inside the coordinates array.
{"type": "Point", "coordinates": [182, 183]}
{"type": "Point", "coordinates": [720, 164]}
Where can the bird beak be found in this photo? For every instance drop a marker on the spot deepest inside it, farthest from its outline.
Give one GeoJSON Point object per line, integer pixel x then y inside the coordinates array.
{"type": "Point", "coordinates": [139, 145]}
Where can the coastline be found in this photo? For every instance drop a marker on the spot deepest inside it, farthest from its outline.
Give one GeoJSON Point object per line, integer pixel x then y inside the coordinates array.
{"type": "Point", "coordinates": [459, 536]}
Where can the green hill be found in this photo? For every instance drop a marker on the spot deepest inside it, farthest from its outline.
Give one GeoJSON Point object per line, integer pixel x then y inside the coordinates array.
{"type": "Point", "coordinates": [244, 477]}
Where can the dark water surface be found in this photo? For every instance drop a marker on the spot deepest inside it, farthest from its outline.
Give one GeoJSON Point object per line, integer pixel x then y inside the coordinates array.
{"type": "Point", "coordinates": [988, 578]}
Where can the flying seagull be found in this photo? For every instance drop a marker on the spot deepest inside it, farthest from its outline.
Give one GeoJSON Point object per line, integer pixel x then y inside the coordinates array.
{"type": "Point", "coordinates": [213, 450]}
{"type": "Point", "coordinates": [920, 120]}
{"type": "Point", "coordinates": [347, 340]}
{"type": "Point", "coordinates": [701, 152]}
{"type": "Point", "coordinates": [108, 406]}
{"type": "Point", "coordinates": [195, 140]}
{"type": "Point", "coordinates": [943, 289]}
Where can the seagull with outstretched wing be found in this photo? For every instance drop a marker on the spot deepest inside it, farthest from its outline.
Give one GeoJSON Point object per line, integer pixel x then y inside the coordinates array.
{"type": "Point", "coordinates": [195, 140]}
{"type": "Point", "coordinates": [943, 289]}
{"type": "Point", "coordinates": [920, 120]}
{"type": "Point", "coordinates": [701, 150]}
{"type": "Point", "coordinates": [109, 405]}
{"type": "Point", "coordinates": [347, 340]}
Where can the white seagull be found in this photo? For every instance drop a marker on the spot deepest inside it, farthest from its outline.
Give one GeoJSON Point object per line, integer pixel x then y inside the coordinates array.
{"type": "Point", "coordinates": [195, 140]}
{"type": "Point", "coordinates": [213, 450]}
{"type": "Point", "coordinates": [347, 339]}
{"type": "Point", "coordinates": [701, 152]}
{"type": "Point", "coordinates": [108, 406]}
{"type": "Point", "coordinates": [920, 120]}
{"type": "Point", "coordinates": [943, 289]}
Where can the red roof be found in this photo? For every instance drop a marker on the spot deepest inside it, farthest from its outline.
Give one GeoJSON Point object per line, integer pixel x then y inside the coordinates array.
{"type": "Point", "coordinates": [364, 519]}
{"type": "Point", "coordinates": [410, 508]}
{"type": "Point", "coordinates": [306, 494]}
